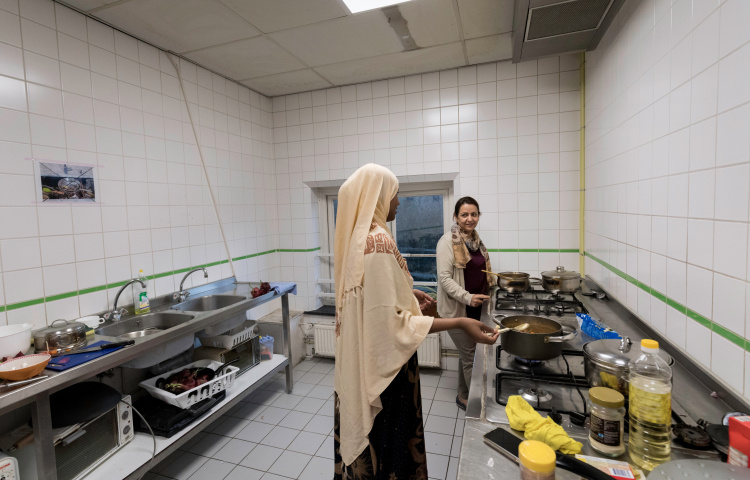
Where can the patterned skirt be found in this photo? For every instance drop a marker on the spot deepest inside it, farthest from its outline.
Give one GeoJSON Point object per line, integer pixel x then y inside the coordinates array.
{"type": "Point", "coordinates": [397, 448]}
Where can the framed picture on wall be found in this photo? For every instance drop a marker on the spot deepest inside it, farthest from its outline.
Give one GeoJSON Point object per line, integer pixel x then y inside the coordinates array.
{"type": "Point", "coordinates": [65, 182]}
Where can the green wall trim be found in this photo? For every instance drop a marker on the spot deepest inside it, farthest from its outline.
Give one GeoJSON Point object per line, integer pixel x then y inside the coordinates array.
{"type": "Point", "coordinates": [84, 291]}
{"type": "Point", "coordinates": [532, 250]}
{"type": "Point", "coordinates": [691, 314]}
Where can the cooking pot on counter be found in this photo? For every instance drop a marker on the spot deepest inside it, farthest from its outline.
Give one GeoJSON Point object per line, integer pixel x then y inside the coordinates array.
{"type": "Point", "coordinates": [60, 337]}
{"type": "Point", "coordinates": [561, 281]}
{"type": "Point", "coordinates": [541, 340]}
{"type": "Point", "coordinates": [515, 282]}
{"type": "Point", "coordinates": [606, 362]}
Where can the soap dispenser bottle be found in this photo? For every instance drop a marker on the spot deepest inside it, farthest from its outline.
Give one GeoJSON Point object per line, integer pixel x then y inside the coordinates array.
{"type": "Point", "coordinates": [140, 295]}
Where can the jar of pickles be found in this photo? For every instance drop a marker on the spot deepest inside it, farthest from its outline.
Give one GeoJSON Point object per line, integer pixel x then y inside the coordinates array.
{"type": "Point", "coordinates": [607, 428]}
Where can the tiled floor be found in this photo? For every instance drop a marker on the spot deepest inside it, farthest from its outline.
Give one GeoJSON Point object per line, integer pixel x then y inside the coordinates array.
{"type": "Point", "coordinates": [271, 435]}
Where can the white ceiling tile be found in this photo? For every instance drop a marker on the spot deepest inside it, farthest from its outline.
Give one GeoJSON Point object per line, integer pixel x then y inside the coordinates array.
{"type": "Point", "coordinates": [254, 57]}
{"type": "Point", "coordinates": [274, 15]}
{"type": "Point", "coordinates": [87, 5]}
{"type": "Point", "coordinates": [489, 49]}
{"type": "Point", "coordinates": [480, 18]}
{"type": "Point", "coordinates": [431, 22]}
{"type": "Point", "coordinates": [340, 40]}
{"type": "Point", "coordinates": [395, 65]}
{"type": "Point", "coordinates": [289, 82]}
{"type": "Point", "coordinates": [191, 25]}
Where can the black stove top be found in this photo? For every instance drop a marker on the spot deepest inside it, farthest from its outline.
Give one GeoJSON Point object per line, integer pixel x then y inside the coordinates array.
{"type": "Point", "coordinates": [540, 302]}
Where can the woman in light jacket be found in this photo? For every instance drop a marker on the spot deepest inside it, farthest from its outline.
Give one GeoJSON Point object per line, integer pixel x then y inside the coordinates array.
{"type": "Point", "coordinates": [462, 285]}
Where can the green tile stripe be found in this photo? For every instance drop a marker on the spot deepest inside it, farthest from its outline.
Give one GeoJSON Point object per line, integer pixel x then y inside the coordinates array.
{"type": "Point", "coordinates": [532, 250]}
{"type": "Point", "coordinates": [84, 291]}
{"type": "Point", "coordinates": [691, 314]}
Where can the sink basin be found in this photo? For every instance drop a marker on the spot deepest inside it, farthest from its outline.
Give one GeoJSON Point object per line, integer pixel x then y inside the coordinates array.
{"type": "Point", "coordinates": [208, 303]}
{"type": "Point", "coordinates": [143, 325]}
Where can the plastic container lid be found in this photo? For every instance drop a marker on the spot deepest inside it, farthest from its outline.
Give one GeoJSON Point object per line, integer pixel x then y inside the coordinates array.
{"type": "Point", "coordinates": [650, 344]}
{"type": "Point", "coordinates": [606, 397]}
{"type": "Point", "coordinates": [537, 456]}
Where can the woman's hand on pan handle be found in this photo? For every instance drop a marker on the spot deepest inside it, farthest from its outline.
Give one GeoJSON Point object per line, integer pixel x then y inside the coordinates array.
{"type": "Point", "coordinates": [478, 300]}
{"type": "Point", "coordinates": [478, 331]}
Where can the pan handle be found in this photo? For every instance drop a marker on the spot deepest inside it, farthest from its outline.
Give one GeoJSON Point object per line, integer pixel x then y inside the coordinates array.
{"type": "Point", "coordinates": [536, 281]}
{"type": "Point", "coordinates": [499, 318]}
{"type": "Point", "coordinates": [578, 467]}
{"type": "Point", "coordinates": [562, 338]}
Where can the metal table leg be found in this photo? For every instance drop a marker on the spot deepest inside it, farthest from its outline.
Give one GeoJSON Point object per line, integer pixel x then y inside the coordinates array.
{"type": "Point", "coordinates": [286, 326]}
{"type": "Point", "coordinates": [41, 418]}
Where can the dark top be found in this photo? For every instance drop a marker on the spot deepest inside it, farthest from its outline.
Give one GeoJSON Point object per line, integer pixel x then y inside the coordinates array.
{"type": "Point", "coordinates": [475, 280]}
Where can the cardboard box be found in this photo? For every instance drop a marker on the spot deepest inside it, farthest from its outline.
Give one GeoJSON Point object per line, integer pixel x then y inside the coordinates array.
{"type": "Point", "coordinates": [739, 441]}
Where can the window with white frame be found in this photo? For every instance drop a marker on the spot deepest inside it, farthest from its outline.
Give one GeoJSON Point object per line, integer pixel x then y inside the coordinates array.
{"type": "Point", "coordinates": [423, 217]}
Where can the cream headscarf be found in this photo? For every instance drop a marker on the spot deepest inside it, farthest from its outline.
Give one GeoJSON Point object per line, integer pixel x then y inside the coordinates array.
{"type": "Point", "coordinates": [379, 325]}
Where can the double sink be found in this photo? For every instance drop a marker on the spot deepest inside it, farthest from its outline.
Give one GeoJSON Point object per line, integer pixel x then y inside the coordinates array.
{"type": "Point", "coordinates": [139, 326]}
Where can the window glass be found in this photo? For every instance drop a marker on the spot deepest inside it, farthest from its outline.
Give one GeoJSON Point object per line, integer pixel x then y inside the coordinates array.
{"type": "Point", "coordinates": [419, 226]}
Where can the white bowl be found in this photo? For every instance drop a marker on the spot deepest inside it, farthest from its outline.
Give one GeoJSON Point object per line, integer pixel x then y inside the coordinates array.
{"type": "Point", "coordinates": [14, 339]}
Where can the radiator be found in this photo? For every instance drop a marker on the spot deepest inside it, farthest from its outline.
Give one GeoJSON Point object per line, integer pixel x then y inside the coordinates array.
{"type": "Point", "coordinates": [325, 343]}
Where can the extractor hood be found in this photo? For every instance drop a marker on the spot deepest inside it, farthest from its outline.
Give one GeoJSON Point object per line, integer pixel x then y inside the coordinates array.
{"type": "Point", "coordinates": [551, 27]}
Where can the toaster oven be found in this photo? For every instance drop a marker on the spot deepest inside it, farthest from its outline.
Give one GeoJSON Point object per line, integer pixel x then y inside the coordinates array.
{"type": "Point", "coordinates": [80, 448]}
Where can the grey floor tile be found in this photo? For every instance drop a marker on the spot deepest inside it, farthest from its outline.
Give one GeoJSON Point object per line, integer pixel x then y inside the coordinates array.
{"type": "Point", "coordinates": [278, 385]}
{"type": "Point", "coordinates": [323, 392]}
{"type": "Point", "coordinates": [320, 424]}
{"type": "Point", "coordinates": [249, 411]}
{"type": "Point", "coordinates": [296, 420]}
{"type": "Point", "coordinates": [310, 405]}
{"type": "Point", "coordinates": [326, 449]}
{"type": "Point", "coordinates": [438, 424]}
{"type": "Point", "coordinates": [209, 445]}
{"type": "Point", "coordinates": [234, 451]}
{"type": "Point", "coordinates": [307, 443]}
{"type": "Point", "coordinates": [272, 415]}
{"type": "Point", "coordinates": [254, 432]}
{"type": "Point", "coordinates": [444, 409]}
{"type": "Point", "coordinates": [437, 466]}
{"type": "Point", "coordinates": [445, 394]}
{"type": "Point", "coordinates": [311, 377]}
{"type": "Point", "coordinates": [428, 393]}
{"type": "Point", "coordinates": [231, 427]}
{"type": "Point", "coordinates": [323, 367]}
{"type": "Point", "coordinates": [301, 388]}
{"type": "Point", "coordinates": [456, 447]}
{"type": "Point", "coordinates": [290, 464]}
{"type": "Point", "coordinates": [189, 444]}
{"type": "Point", "coordinates": [287, 401]}
{"type": "Point", "coordinates": [261, 457]}
{"type": "Point", "coordinates": [450, 383]}
{"type": "Point", "coordinates": [264, 397]}
{"type": "Point", "coordinates": [280, 437]}
{"type": "Point", "coordinates": [429, 379]}
{"type": "Point", "coordinates": [452, 469]}
{"type": "Point", "coordinates": [184, 466]}
{"type": "Point", "coordinates": [273, 476]}
{"type": "Point", "coordinates": [213, 470]}
{"type": "Point", "coordinates": [328, 408]}
{"type": "Point", "coordinates": [449, 373]}
{"type": "Point", "coordinates": [244, 473]}
{"type": "Point", "coordinates": [327, 380]}
{"type": "Point", "coordinates": [438, 443]}
{"type": "Point", "coordinates": [318, 469]}
{"type": "Point", "coordinates": [459, 431]}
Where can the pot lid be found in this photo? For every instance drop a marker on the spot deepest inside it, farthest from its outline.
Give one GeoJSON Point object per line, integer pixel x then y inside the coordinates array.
{"type": "Point", "coordinates": [560, 272]}
{"type": "Point", "coordinates": [60, 327]}
{"type": "Point", "coordinates": [617, 352]}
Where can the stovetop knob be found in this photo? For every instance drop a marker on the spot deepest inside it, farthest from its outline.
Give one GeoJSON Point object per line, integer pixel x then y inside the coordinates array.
{"type": "Point", "coordinates": [577, 418]}
{"type": "Point", "coordinates": [555, 416]}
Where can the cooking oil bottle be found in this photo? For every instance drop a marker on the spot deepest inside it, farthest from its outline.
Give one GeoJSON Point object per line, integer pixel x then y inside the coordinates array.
{"type": "Point", "coordinates": [650, 407]}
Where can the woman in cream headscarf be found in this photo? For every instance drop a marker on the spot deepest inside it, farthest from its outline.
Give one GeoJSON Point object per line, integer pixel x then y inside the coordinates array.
{"type": "Point", "coordinates": [378, 432]}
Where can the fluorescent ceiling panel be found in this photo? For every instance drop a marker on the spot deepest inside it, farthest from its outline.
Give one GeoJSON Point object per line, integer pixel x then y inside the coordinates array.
{"type": "Point", "coordinates": [356, 6]}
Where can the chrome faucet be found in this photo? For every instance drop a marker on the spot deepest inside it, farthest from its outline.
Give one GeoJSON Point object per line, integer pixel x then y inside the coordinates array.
{"type": "Point", "coordinates": [182, 296]}
{"type": "Point", "coordinates": [115, 314]}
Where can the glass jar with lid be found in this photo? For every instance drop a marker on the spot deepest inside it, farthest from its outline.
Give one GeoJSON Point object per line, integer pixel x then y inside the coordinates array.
{"type": "Point", "coordinates": [537, 460]}
{"type": "Point", "coordinates": [607, 427]}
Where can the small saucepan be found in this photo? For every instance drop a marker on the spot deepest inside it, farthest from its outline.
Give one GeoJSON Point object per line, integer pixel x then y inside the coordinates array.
{"type": "Point", "coordinates": [515, 282]}
{"type": "Point", "coordinates": [541, 340]}
{"type": "Point", "coordinates": [561, 281]}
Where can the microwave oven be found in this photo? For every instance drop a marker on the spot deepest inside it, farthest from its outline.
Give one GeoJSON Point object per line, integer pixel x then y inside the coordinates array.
{"type": "Point", "coordinates": [79, 449]}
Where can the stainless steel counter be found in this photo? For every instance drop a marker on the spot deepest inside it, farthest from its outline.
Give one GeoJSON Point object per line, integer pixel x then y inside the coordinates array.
{"type": "Point", "coordinates": [692, 396]}
{"type": "Point", "coordinates": [39, 392]}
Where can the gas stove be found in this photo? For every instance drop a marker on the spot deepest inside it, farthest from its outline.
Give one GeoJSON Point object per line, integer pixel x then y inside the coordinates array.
{"type": "Point", "coordinates": [537, 302]}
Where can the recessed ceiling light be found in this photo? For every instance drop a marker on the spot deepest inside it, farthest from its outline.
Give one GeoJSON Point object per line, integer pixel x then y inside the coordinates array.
{"type": "Point", "coordinates": [356, 6]}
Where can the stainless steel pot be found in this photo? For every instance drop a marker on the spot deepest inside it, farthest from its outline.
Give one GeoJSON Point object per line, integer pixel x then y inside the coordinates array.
{"type": "Point", "coordinates": [542, 339]}
{"type": "Point", "coordinates": [60, 337]}
{"type": "Point", "coordinates": [515, 282]}
{"type": "Point", "coordinates": [561, 281]}
{"type": "Point", "coordinates": [606, 362]}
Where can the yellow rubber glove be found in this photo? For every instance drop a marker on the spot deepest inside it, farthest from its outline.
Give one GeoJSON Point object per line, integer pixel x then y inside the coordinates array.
{"type": "Point", "coordinates": [523, 417]}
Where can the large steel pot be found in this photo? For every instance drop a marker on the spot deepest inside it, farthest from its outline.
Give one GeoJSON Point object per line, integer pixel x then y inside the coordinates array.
{"type": "Point", "coordinates": [606, 362]}
{"type": "Point", "coordinates": [515, 282]}
{"type": "Point", "coordinates": [561, 281]}
{"type": "Point", "coordinates": [60, 337]}
{"type": "Point", "coordinates": [542, 339]}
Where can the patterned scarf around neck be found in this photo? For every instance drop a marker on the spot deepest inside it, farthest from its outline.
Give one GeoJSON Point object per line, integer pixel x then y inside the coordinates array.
{"type": "Point", "coordinates": [463, 243]}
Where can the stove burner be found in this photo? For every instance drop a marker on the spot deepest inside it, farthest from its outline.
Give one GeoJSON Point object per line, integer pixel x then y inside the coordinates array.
{"type": "Point", "coordinates": [692, 437]}
{"type": "Point", "coordinates": [513, 295]}
{"type": "Point", "coordinates": [526, 361]}
{"type": "Point", "coordinates": [536, 395]}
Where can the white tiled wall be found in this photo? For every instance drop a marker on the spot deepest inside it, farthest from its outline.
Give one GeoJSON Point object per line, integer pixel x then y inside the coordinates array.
{"type": "Point", "coordinates": [74, 90]}
{"type": "Point", "coordinates": [507, 133]}
{"type": "Point", "coordinates": [668, 172]}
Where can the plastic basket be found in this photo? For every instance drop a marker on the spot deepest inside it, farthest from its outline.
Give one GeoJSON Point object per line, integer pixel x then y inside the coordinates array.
{"type": "Point", "coordinates": [194, 395]}
{"type": "Point", "coordinates": [233, 337]}
{"type": "Point", "coordinates": [594, 328]}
